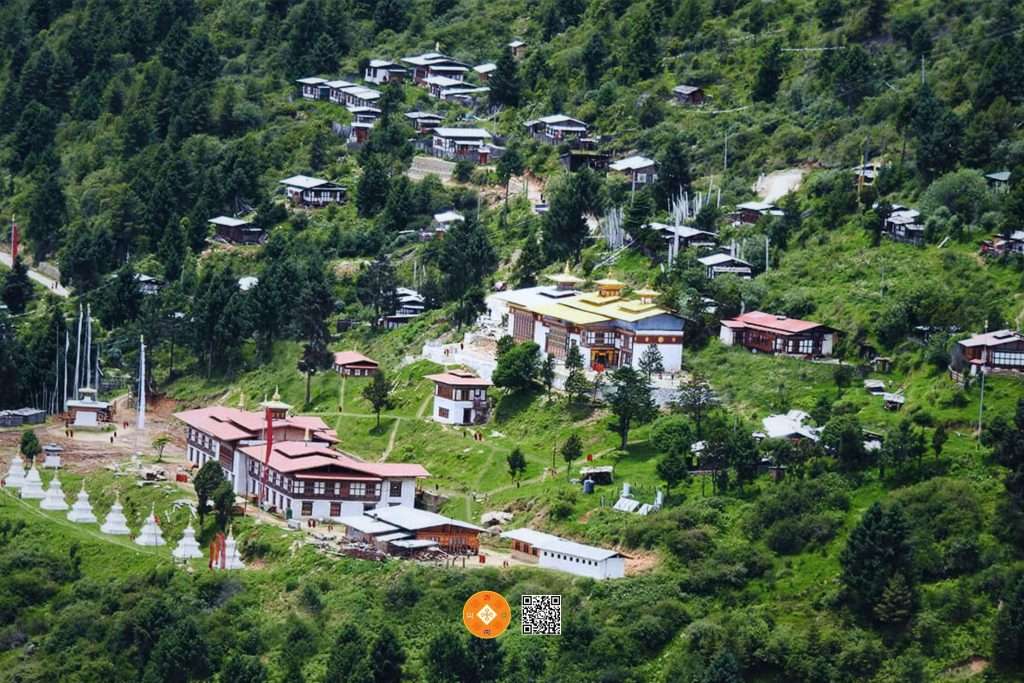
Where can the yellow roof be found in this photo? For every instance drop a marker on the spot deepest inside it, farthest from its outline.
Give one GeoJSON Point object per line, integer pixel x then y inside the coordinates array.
{"type": "Point", "coordinates": [564, 277]}
{"type": "Point", "coordinates": [647, 292]}
{"type": "Point", "coordinates": [569, 314]}
{"type": "Point", "coordinates": [609, 282]}
{"type": "Point", "coordinates": [627, 310]}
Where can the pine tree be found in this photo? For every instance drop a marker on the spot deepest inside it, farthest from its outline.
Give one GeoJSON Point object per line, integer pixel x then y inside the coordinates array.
{"type": "Point", "coordinates": [372, 189]}
{"type": "Point", "coordinates": [695, 398]}
{"type": "Point", "coordinates": [1008, 645]}
{"type": "Point", "coordinates": [723, 669]}
{"type": "Point", "coordinates": [29, 445]}
{"type": "Point", "coordinates": [387, 656]}
{"type": "Point", "coordinates": [348, 661]}
{"type": "Point", "coordinates": [630, 402]}
{"type": "Point", "coordinates": [17, 288]}
{"type": "Point", "coordinates": [530, 261]}
{"type": "Point", "coordinates": [206, 481]}
{"type": "Point", "coordinates": [877, 550]}
{"type": "Point", "coordinates": [896, 604]}
{"type": "Point", "coordinates": [674, 176]}
{"type": "Point", "coordinates": [939, 438]}
{"type": "Point", "coordinates": [399, 206]}
{"type": "Point", "coordinates": [672, 469]}
{"type": "Point", "coordinates": [466, 258]}
{"type": "Point", "coordinates": [651, 361]}
{"type": "Point", "coordinates": [595, 54]}
{"type": "Point", "coordinates": [576, 384]}
{"type": "Point", "coordinates": [642, 55]}
{"type": "Point", "coordinates": [376, 288]}
{"type": "Point", "coordinates": [769, 74]}
{"type": "Point", "coordinates": [547, 373]}
{"type": "Point", "coordinates": [504, 81]}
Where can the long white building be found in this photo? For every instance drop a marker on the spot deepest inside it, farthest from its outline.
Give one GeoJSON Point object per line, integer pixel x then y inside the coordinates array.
{"type": "Point", "coordinates": [554, 552]}
{"type": "Point", "coordinates": [611, 331]}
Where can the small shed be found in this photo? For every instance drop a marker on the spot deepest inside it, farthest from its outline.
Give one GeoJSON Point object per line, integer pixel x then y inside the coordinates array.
{"type": "Point", "coordinates": [599, 475]}
{"type": "Point", "coordinates": [893, 401]}
{"type": "Point", "coordinates": [688, 94]}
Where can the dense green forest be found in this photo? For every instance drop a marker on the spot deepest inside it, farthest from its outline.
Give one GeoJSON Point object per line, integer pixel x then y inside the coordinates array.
{"type": "Point", "coordinates": [125, 126]}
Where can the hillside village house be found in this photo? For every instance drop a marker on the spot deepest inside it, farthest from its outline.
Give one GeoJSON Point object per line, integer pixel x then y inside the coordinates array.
{"type": "Point", "coordinates": [904, 225]}
{"type": "Point", "coordinates": [436, 85]}
{"type": "Point", "coordinates": [638, 170]}
{"type": "Point", "coordinates": [610, 330]}
{"type": "Point", "coordinates": [685, 236]}
{"type": "Point", "coordinates": [313, 88]}
{"type": "Point", "coordinates": [365, 114]}
{"type": "Point", "coordinates": [484, 71]}
{"type": "Point", "coordinates": [303, 190]}
{"type": "Point", "coordinates": [307, 477]}
{"type": "Point", "coordinates": [721, 264]}
{"type": "Point", "coordinates": [335, 90]}
{"type": "Point", "coordinates": [793, 426]}
{"type": "Point", "coordinates": [999, 181]}
{"type": "Point", "coordinates": [470, 144]}
{"type": "Point", "coordinates": [767, 333]}
{"type": "Point", "coordinates": [460, 398]}
{"type": "Point", "coordinates": [358, 132]}
{"type": "Point", "coordinates": [381, 71]}
{"type": "Point", "coordinates": [423, 121]}
{"type": "Point", "coordinates": [999, 351]}
{"type": "Point", "coordinates": [402, 530]}
{"type": "Point", "coordinates": [410, 302]}
{"type": "Point", "coordinates": [443, 222]}
{"type": "Point", "coordinates": [435, 64]}
{"type": "Point", "coordinates": [552, 552]}
{"type": "Point", "coordinates": [518, 48]}
{"type": "Point", "coordinates": [1001, 244]}
{"type": "Point", "coordinates": [236, 231]}
{"type": "Point", "coordinates": [466, 95]}
{"type": "Point", "coordinates": [355, 96]}
{"type": "Point", "coordinates": [556, 129]}
{"type": "Point", "coordinates": [577, 159]}
{"type": "Point", "coordinates": [688, 94]}
{"type": "Point", "coordinates": [752, 212]}
{"type": "Point", "coordinates": [355, 364]}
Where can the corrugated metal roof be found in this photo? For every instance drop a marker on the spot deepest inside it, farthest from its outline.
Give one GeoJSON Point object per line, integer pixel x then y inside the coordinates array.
{"type": "Point", "coordinates": [556, 544]}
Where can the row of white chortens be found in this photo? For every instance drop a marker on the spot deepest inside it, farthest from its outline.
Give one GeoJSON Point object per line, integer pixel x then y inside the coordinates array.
{"type": "Point", "coordinates": [30, 486]}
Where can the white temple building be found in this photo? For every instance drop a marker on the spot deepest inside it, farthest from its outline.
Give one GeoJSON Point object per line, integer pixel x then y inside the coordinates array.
{"type": "Point", "coordinates": [32, 487]}
{"type": "Point", "coordinates": [116, 524]}
{"type": "Point", "coordinates": [54, 499]}
{"type": "Point", "coordinates": [151, 534]}
{"type": "Point", "coordinates": [16, 473]}
{"type": "Point", "coordinates": [81, 512]}
{"type": "Point", "coordinates": [187, 548]}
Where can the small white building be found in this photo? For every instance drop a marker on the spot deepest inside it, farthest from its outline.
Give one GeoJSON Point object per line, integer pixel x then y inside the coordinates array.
{"type": "Point", "coordinates": [638, 170]}
{"type": "Point", "coordinates": [460, 398]}
{"type": "Point", "coordinates": [553, 552]}
{"type": "Point", "coordinates": [444, 221]}
{"type": "Point", "coordinates": [382, 71]}
{"type": "Point", "coordinates": [792, 426]}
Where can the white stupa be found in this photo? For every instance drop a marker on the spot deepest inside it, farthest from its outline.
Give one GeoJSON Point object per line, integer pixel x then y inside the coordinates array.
{"type": "Point", "coordinates": [116, 524]}
{"type": "Point", "coordinates": [54, 499]}
{"type": "Point", "coordinates": [32, 487]}
{"type": "Point", "coordinates": [232, 560]}
{"type": "Point", "coordinates": [187, 548]}
{"type": "Point", "coordinates": [151, 533]}
{"type": "Point", "coordinates": [81, 511]}
{"type": "Point", "coordinates": [16, 474]}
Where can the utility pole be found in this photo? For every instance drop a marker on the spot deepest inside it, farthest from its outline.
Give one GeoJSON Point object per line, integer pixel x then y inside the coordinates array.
{"type": "Point", "coordinates": [767, 239]}
{"type": "Point", "coordinates": [725, 159]}
{"type": "Point", "coordinates": [981, 404]}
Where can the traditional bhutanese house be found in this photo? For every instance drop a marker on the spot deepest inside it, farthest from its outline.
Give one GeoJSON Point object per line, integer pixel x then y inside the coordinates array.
{"type": "Point", "coordinates": [451, 535]}
{"type": "Point", "coordinates": [577, 159]}
{"type": "Point", "coordinates": [610, 330]}
{"type": "Point", "coordinates": [688, 94]}
{"type": "Point", "coordinates": [638, 170]}
{"type": "Point", "coordinates": [1002, 350]}
{"type": "Point", "coordinates": [305, 475]}
{"type": "Point", "coordinates": [1000, 244]}
{"type": "Point", "coordinates": [423, 121]}
{"type": "Point", "coordinates": [336, 90]}
{"type": "Point", "coordinates": [999, 181]}
{"type": "Point", "coordinates": [904, 225]}
{"type": "Point", "coordinates": [721, 264]}
{"type": "Point", "coordinates": [147, 284]}
{"type": "Point", "coordinates": [313, 88]}
{"type": "Point", "coordinates": [466, 95]}
{"type": "Point", "coordinates": [444, 221]}
{"type": "Point", "coordinates": [793, 426]}
{"type": "Point", "coordinates": [355, 364]}
{"type": "Point", "coordinates": [410, 302]}
{"type": "Point", "coordinates": [236, 231]}
{"type": "Point", "coordinates": [685, 236]}
{"type": "Point", "coordinates": [460, 398]}
{"type": "Point", "coordinates": [518, 48]}
{"type": "Point", "coordinates": [435, 64]}
{"type": "Point", "coordinates": [381, 71]}
{"type": "Point", "coordinates": [359, 132]}
{"type": "Point", "coordinates": [470, 144]}
{"type": "Point", "coordinates": [484, 71]}
{"type": "Point", "coordinates": [865, 174]}
{"type": "Point", "coordinates": [365, 114]}
{"type": "Point", "coordinates": [553, 552]}
{"type": "Point", "coordinates": [435, 84]}
{"type": "Point", "coordinates": [767, 333]}
{"type": "Point", "coordinates": [752, 212]}
{"type": "Point", "coordinates": [359, 96]}
{"type": "Point", "coordinates": [303, 190]}
{"type": "Point", "coordinates": [556, 128]}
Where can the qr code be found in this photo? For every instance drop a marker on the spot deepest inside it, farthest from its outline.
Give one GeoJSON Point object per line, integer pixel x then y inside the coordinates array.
{"type": "Point", "coordinates": [542, 615]}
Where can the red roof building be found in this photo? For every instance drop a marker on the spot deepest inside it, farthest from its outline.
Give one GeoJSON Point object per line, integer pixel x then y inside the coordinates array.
{"type": "Point", "coordinates": [767, 333]}
{"type": "Point", "coordinates": [354, 364]}
{"type": "Point", "coordinates": [306, 475]}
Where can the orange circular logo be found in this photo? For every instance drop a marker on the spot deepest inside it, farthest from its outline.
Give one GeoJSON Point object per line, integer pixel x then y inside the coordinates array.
{"type": "Point", "coordinates": [486, 614]}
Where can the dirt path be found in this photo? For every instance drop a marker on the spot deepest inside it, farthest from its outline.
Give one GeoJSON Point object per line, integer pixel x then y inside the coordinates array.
{"type": "Point", "coordinates": [423, 407]}
{"type": "Point", "coordinates": [341, 397]}
{"type": "Point", "coordinates": [391, 442]}
{"type": "Point", "coordinates": [777, 184]}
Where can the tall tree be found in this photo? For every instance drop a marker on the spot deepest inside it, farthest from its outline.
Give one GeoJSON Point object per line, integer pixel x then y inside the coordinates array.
{"type": "Point", "coordinates": [546, 374]}
{"type": "Point", "coordinates": [843, 438]}
{"type": "Point", "coordinates": [651, 361]}
{"type": "Point", "coordinates": [206, 481]}
{"type": "Point", "coordinates": [643, 54]}
{"type": "Point", "coordinates": [530, 261]}
{"type": "Point", "coordinates": [387, 656]}
{"type": "Point", "coordinates": [878, 549]}
{"type": "Point", "coordinates": [516, 462]}
{"type": "Point", "coordinates": [376, 288]}
{"type": "Point", "coordinates": [17, 292]}
{"type": "Point", "coordinates": [630, 402]}
{"type": "Point", "coordinates": [517, 367]}
{"type": "Point", "coordinates": [466, 257]}
{"type": "Point", "coordinates": [576, 384]}
{"type": "Point", "coordinates": [348, 661]}
{"type": "Point", "coordinates": [769, 74]}
{"type": "Point", "coordinates": [672, 470]}
{"type": "Point", "coordinates": [674, 176]}
{"type": "Point", "coordinates": [695, 398]}
{"type": "Point", "coordinates": [372, 188]}
{"type": "Point", "coordinates": [937, 131]}
{"type": "Point", "coordinates": [504, 81]}
{"type": "Point", "coordinates": [29, 445]}
{"type": "Point", "coordinates": [314, 306]}
{"type": "Point", "coordinates": [378, 393]}
{"type": "Point", "coordinates": [508, 166]}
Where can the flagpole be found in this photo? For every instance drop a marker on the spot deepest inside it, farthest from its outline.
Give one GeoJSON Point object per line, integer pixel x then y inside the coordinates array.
{"type": "Point", "coordinates": [78, 354]}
